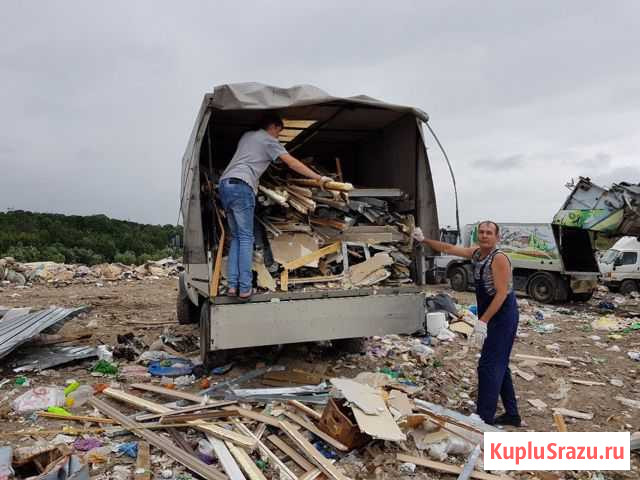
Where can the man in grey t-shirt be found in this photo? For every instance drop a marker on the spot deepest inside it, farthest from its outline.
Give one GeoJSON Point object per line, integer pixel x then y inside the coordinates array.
{"type": "Point", "coordinates": [238, 186]}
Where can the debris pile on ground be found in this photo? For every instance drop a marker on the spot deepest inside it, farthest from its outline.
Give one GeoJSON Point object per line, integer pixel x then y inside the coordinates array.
{"type": "Point", "coordinates": [330, 235]}
{"type": "Point", "coordinates": [25, 274]}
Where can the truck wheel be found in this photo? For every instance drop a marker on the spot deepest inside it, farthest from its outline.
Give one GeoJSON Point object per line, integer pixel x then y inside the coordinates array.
{"type": "Point", "coordinates": [186, 311]}
{"type": "Point", "coordinates": [582, 296]}
{"type": "Point", "coordinates": [349, 345]}
{"type": "Point", "coordinates": [215, 358]}
{"type": "Point", "coordinates": [458, 279]}
{"type": "Point", "coordinates": [542, 288]}
{"type": "Point", "coordinates": [628, 286]}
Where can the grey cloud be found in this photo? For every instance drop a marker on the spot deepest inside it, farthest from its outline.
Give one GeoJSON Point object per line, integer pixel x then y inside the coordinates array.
{"type": "Point", "coordinates": [509, 162]}
{"type": "Point", "coordinates": [98, 99]}
{"type": "Point", "coordinates": [630, 174]}
{"type": "Point", "coordinates": [599, 161]}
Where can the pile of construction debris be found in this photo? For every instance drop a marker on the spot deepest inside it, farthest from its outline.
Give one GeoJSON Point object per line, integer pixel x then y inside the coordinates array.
{"type": "Point", "coordinates": [331, 235]}
{"type": "Point", "coordinates": [16, 273]}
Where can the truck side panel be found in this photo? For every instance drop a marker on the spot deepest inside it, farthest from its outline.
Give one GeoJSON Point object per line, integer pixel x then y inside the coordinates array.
{"type": "Point", "coordinates": [293, 321]}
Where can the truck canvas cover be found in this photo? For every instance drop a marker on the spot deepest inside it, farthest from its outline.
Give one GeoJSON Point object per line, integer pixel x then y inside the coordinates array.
{"type": "Point", "coordinates": [382, 141]}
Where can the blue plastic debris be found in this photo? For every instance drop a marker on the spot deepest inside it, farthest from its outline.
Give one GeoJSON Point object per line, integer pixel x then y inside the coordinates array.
{"type": "Point", "coordinates": [474, 309]}
{"type": "Point", "coordinates": [171, 367]}
{"type": "Point", "coordinates": [130, 449]}
{"type": "Point", "coordinates": [324, 449]}
{"type": "Point", "coordinates": [221, 370]}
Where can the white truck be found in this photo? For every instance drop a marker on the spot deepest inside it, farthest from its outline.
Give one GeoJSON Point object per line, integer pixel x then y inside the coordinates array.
{"type": "Point", "coordinates": [538, 269]}
{"type": "Point", "coordinates": [620, 266]}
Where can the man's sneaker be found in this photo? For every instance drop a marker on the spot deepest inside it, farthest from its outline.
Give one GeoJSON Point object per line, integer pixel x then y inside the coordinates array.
{"type": "Point", "coordinates": [504, 419]}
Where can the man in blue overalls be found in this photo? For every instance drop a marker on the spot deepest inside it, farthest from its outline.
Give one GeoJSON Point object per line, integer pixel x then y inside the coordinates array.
{"type": "Point", "coordinates": [495, 330]}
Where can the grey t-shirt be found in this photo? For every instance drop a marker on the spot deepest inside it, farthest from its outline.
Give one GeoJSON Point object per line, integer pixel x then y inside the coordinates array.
{"type": "Point", "coordinates": [256, 150]}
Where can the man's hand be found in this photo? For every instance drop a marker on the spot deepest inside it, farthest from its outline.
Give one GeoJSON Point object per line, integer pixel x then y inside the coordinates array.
{"type": "Point", "coordinates": [324, 180]}
{"type": "Point", "coordinates": [417, 234]}
{"type": "Point", "coordinates": [479, 334]}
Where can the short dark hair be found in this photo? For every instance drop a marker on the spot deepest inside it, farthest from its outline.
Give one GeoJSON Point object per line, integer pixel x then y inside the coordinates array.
{"type": "Point", "coordinates": [269, 119]}
{"type": "Point", "coordinates": [490, 222]}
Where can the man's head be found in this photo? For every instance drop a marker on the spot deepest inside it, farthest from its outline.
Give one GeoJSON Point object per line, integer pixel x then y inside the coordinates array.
{"type": "Point", "coordinates": [488, 234]}
{"type": "Point", "coordinates": [271, 123]}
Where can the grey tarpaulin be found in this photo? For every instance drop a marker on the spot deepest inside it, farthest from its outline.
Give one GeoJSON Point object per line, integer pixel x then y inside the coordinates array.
{"type": "Point", "coordinates": [380, 144]}
{"type": "Point", "coordinates": [20, 329]}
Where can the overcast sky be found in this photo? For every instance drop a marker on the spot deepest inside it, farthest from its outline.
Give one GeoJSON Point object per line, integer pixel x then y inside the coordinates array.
{"type": "Point", "coordinates": [97, 98]}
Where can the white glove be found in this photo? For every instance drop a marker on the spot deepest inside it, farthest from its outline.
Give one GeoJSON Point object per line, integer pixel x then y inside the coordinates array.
{"type": "Point", "coordinates": [417, 234]}
{"type": "Point", "coordinates": [479, 334]}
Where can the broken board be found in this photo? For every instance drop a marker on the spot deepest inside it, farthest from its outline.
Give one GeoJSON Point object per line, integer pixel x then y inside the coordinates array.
{"type": "Point", "coordinates": [290, 246]}
{"type": "Point", "coordinates": [358, 273]}
{"type": "Point", "coordinates": [372, 415]}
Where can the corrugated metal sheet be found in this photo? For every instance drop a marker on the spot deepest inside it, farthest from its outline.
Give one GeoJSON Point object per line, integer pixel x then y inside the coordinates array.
{"type": "Point", "coordinates": [42, 358]}
{"type": "Point", "coordinates": [18, 330]}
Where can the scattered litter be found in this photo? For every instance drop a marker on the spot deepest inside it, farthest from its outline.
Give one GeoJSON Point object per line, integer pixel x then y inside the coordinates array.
{"type": "Point", "coordinates": [634, 356]}
{"type": "Point", "coordinates": [129, 448]}
{"type": "Point", "coordinates": [222, 369]}
{"type": "Point", "coordinates": [629, 402]}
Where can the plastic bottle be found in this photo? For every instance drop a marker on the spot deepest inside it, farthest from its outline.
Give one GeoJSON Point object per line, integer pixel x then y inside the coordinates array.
{"type": "Point", "coordinates": [79, 396]}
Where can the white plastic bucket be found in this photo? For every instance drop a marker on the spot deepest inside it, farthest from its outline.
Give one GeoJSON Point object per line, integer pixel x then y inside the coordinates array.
{"type": "Point", "coordinates": [436, 322]}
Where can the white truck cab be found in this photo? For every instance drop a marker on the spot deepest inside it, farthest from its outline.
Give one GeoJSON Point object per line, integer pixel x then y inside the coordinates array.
{"type": "Point", "coordinates": [620, 266]}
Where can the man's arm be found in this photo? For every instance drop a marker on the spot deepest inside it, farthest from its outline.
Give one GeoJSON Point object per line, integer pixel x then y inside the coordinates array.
{"type": "Point", "coordinates": [501, 270]}
{"type": "Point", "coordinates": [297, 166]}
{"type": "Point", "coordinates": [449, 249]}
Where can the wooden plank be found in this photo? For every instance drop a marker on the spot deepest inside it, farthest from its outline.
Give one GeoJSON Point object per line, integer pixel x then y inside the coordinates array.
{"type": "Point", "coordinates": [312, 453]}
{"type": "Point", "coordinates": [559, 421]}
{"type": "Point", "coordinates": [370, 238]}
{"type": "Point", "coordinates": [80, 418]}
{"type": "Point", "coordinates": [316, 431]}
{"type": "Point", "coordinates": [304, 409]}
{"type": "Point", "coordinates": [588, 383]}
{"type": "Point", "coordinates": [192, 397]}
{"type": "Point", "coordinates": [308, 182]}
{"type": "Point", "coordinates": [310, 257]}
{"type": "Point", "coordinates": [178, 411]}
{"type": "Point", "coordinates": [190, 462]}
{"type": "Point", "coordinates": [297, 376]}
{"type": "Point", "coordinates": [198, 424]}
{"type": "Point", "coordinates": [143, 462]}
{"type": "Point", "coordinates": [246, 463]}
{"type": "Point", "coordinates": [284, 470]}
{"type": "Point", "coordinates": [317, 279]}
{"type": "Point", "coordinates": [573, 414]}
{"type": "Point", "coordinates": [291, 453]}
{"type": "Point", "coordinates": [217, 267]}
{"type": "Point", "coordinates": [446, 468]}
{"type": "Point", "coordinates": [560, 362]}
{"type": "Point", "coordinates": [225, 458]}
{"type": "Point", "coordinates": [186, 417]}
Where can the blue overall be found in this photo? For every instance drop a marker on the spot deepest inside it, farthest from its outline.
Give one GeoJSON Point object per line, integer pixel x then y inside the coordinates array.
{"type": "Point", "coordinates": [494, 375]}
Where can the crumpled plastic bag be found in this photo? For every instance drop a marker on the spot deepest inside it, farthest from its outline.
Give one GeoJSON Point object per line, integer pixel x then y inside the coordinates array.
{"type": "Point", "coordinates": [39, 398]}
{"type": "Point", "coordinates": [450, 446]}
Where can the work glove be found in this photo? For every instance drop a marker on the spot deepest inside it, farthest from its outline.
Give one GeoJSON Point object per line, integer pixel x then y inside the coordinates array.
{"type": "Point", "coordinates": [324, 180]}
{"type": "Point", "coordinates": [479, 334]}
{"type": "Point", "coordinates": [417, 234]}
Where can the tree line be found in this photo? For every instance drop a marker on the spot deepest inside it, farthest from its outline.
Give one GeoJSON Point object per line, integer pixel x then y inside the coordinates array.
{"type": "Point", "coordinates": [90, 240]}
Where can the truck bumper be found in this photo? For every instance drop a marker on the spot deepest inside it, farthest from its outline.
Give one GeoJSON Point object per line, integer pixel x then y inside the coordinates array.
{"type": "Point", "coordinates": [306, 320]}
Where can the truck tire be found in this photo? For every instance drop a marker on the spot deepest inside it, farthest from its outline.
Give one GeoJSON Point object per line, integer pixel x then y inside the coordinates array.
{"type": "Point", "coordinates": [215, 358]}
{"type": "Point", "coordinates": [350, 345]}
{"type": "Point", "coordinates": [582, 296]}
{"type": "Point", "coordinates": [628, 286]}
{"type": "Point", "coordinates": [458, 279]}
{"type": "Point", "coordinates": [186, 311]}
{"type": "Point", "coordinates": [542, 287]}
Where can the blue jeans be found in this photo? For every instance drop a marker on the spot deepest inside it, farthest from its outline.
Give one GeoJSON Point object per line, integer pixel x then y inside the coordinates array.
{"type": "Point", "coordinates": [239, 201]}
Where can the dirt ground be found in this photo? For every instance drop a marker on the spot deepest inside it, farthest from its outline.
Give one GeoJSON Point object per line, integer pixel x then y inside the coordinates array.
{"type": "Point", "coordinates": [146, 308]}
